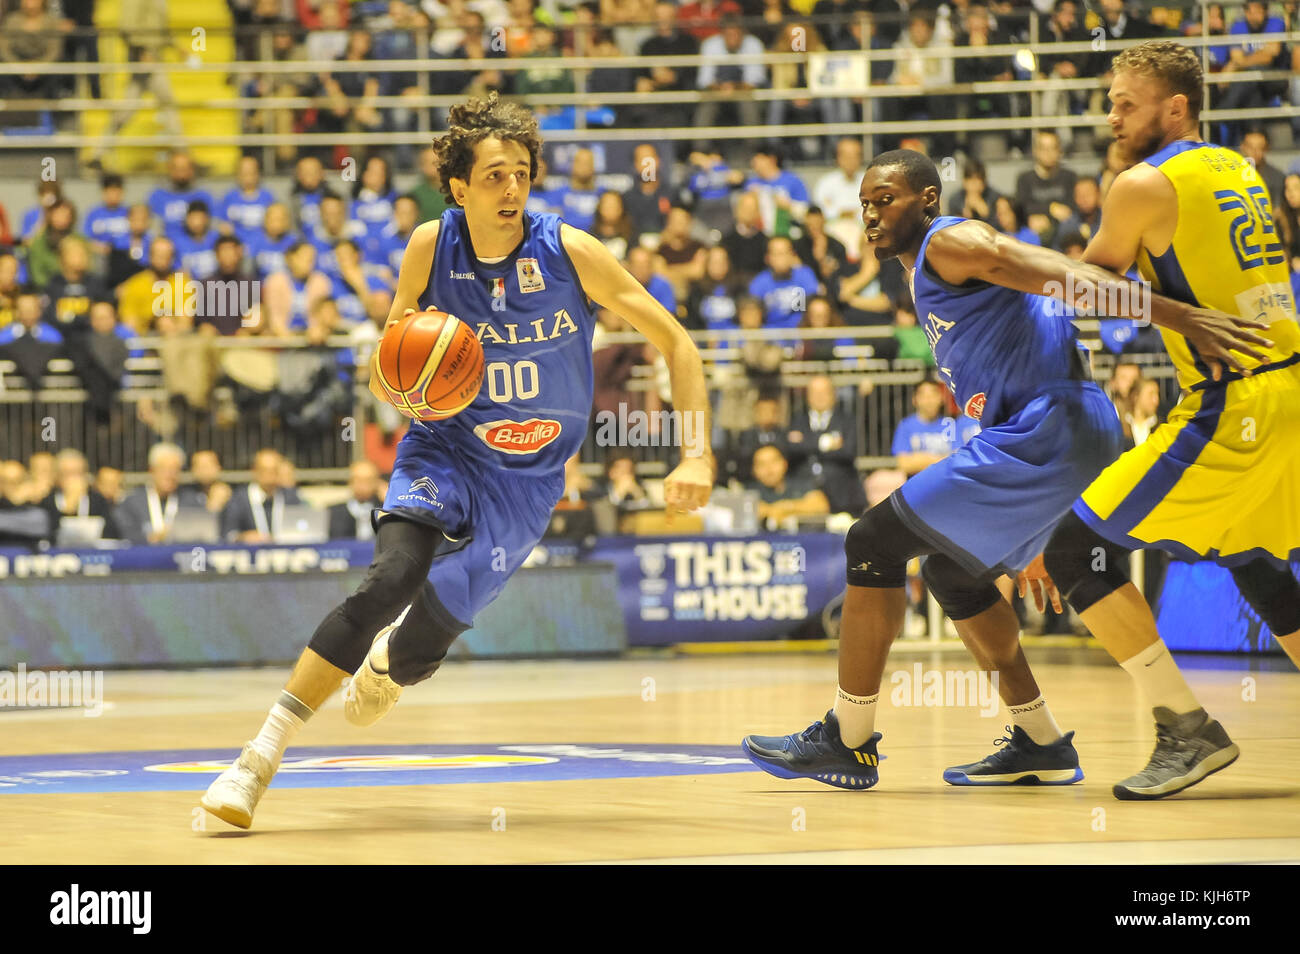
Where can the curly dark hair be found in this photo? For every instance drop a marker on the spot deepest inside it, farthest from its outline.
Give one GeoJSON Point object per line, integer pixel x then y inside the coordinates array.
{"type": "Point", "coordinates": [478, 119]}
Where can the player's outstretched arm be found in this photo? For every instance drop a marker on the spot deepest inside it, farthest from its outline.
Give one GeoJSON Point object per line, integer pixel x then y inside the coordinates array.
{"type": "Point", "coordinates": [606, 281]}
{"type": "Point", "coordinates": [974, 250]}
{"type": "Point", "coordinates": [412, 279]}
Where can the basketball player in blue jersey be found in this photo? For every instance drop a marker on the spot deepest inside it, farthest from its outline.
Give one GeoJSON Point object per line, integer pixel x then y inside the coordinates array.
{"type": "Point", "coordinates": [1011, 357]}
{"type": "Point", "coordinates": [470, 496]}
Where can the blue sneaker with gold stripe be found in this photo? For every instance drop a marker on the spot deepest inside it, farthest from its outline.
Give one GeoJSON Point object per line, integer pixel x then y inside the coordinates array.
{"type": "Point", "coordinates": [816, 753]}
{"type": "Point", "coordinates": [1021, 761]}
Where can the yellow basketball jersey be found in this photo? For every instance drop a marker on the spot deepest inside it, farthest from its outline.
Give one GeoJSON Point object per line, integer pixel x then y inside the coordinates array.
{"type": "Point", "coordinates": [1226, 253]}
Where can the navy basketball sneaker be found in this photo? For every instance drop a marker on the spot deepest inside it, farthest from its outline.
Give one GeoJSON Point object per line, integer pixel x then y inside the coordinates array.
{"type": "Point", "coordinates": [816, 753]}
{"type": "Point", "coordinates": [1021, 761]}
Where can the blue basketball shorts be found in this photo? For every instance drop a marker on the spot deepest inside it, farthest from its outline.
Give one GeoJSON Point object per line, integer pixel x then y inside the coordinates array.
{"type": "Point", "coordinates": [490, 519]}
{"type": "Point", "coordinates": [992, 504]}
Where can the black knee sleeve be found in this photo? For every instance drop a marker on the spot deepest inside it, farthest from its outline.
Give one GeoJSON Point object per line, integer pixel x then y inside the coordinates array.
{"type": "Point", "coordinates": [1273, 593]}
{"type": "Point", "coordinates": [418, 646]}
{"type": "Point", "coordinates": [878, 546]}
{"type": "Point", "coordinates": [403, 554]}
{"type": "Point", "coordinates": [960, 594]}
{"type": "Point", "coordinates": [1085, 566]}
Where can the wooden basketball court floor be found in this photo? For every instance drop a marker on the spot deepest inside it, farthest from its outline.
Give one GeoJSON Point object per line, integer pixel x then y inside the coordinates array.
{"type": "Point", "coordinates": [1249, 812]}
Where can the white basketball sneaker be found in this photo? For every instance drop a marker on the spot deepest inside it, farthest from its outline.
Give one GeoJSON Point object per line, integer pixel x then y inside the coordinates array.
{"type": "Point", "coordinates": [371, 694]}
{"type": "Point", "coordinates": [237, 790]}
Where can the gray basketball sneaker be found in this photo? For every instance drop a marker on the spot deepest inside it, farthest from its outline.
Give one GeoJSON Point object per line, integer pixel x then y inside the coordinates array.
{"type": "Point", "coordinates": [1189, 747]}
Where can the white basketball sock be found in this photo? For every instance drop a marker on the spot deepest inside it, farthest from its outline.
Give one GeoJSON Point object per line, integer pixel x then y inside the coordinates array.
{"type": "Point", "coordinates": [1157, 675]}
{"type": "Point", "coordinates": [282, 723]}
{"type": "Point", "coordinates": [1036, 719]}
{"type": "Point", "coordinates": [856, 716]}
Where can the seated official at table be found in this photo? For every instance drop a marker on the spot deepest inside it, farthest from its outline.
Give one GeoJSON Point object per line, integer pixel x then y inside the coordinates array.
{"type": "Point", "coordinates": [146, 515]}
{"type": "Point", "coordinates": [350, 520]}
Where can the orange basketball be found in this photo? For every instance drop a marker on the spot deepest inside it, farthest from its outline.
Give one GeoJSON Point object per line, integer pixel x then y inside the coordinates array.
{"type": "Point", "coordinates": [430, 365]}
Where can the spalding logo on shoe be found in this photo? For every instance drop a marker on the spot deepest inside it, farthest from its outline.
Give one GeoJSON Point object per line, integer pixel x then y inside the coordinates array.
{"type": "Point", "coordinates": [518, 437]}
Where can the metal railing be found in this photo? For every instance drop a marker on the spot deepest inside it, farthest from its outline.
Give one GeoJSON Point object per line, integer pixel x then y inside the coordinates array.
{"type": "Point", "coordinates": [57, 414]}
{"type": "Point", "coordinates": [424, 67]}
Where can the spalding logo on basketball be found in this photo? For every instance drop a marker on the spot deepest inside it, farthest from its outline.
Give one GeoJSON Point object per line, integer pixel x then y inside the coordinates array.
{"type": "Point", "coordinates": [975, 406]}
{"type": "Point", "coordinates": [430, 365]}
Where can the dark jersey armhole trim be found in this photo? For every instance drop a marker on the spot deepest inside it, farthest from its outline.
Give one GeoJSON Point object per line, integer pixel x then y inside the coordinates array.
{"type": "Point", "coordinates": [970, 285]}
{"type": "Point", "coordinates": [433, 263]}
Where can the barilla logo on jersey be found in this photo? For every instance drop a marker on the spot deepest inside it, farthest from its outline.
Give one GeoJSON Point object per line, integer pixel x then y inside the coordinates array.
{"type": "Point", "coordinates": [518, 437]}
{"type": "Point", "coordinates": [975, 406]}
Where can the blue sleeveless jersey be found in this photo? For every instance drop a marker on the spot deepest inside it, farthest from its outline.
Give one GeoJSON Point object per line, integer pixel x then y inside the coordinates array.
{"type": "Point", "coordinates": [995, 347]}
{"type": "Point", "coordinates": [533, 411]}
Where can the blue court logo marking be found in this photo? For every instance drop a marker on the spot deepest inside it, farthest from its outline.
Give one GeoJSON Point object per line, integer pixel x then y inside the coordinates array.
{"type": "Point", "coordinates": [351, 766]}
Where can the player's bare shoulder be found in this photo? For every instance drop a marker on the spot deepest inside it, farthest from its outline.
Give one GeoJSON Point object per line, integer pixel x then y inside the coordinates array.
{"type": "Point", "coordinates": [1141, 187]}
{"type": "Point", "coordinates": [595, 264]}
{"type": "Point", "coordinates": [963, 251]}
{"type": "Point", "coordinates": [1146, 201]}
{"type": "Point", "coordinates": [584, 249]}
{"type": "Point", "coordinates": [425, 237]}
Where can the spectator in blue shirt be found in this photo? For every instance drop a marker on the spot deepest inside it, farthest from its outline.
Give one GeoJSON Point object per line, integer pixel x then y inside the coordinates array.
{"type": "Point", "coordinates": [171, 203]}
{"type": "Point", "coordinates": [48, 193]}
{"type": "Point", "coordinates": [921, 439]}
{"type": "Point", "coordinates": [372, 198]}
{"type": "Point", "coordinates": [721, 74]}
{"type": "Point", "coordinates": [540, 198]}
{"type": "Point", "coordinates": [710, 186]}
{"type": "Point", "coordinates": [577, 200]}
{"type": "Point", "coordinates": [196, 245]}
{"type": "Point", "coordinates": [354, 283]}
{"type": "Point", "coordinates": [334, 227]}
{"type": "Point", "coordinates": [711, 301]}
{"type": "Point", "coordinates": [784, 286]}
{"type": "Point", "coordinates": [106, 224]}
{"type": "Point", "coordinates": [929, 435]}
{"type": "Point", "coordinates": [1251, 55]}
{"type": "Point", "coordinates": [782, 196]}
{"type": "Point", "coordinates": [272, 241]}
{"type": "Point", "coordinates": [309, 189]}
{"type": "Point", "coordinates": [386, 251]}
{"type": "Point", "coordinates": [243, 209]}
{"type": "Point", "coordinates": [640, 265]}
{"type": "Point", "coordinates": [1215, 25]}
{"type": "Point", "coordinates": [27, 322]}
{"type": "Point", "coordinates": [29, 342]}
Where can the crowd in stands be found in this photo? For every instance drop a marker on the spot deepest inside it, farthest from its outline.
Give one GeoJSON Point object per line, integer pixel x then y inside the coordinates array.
{"type": "Point", "coordinates": [725, 239]}
{"type": "Point", "coordinates": [723, 247]}
{"type": "Point", "coordinates": [44, 32]}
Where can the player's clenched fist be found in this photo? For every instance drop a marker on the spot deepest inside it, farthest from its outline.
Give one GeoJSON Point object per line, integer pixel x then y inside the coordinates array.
{"type": "Point", "coordinates": [689, 485]}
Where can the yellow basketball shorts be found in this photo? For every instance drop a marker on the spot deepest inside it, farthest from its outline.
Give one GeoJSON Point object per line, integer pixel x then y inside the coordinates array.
{"type": "Point", "coordinates": [1219, 480]}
